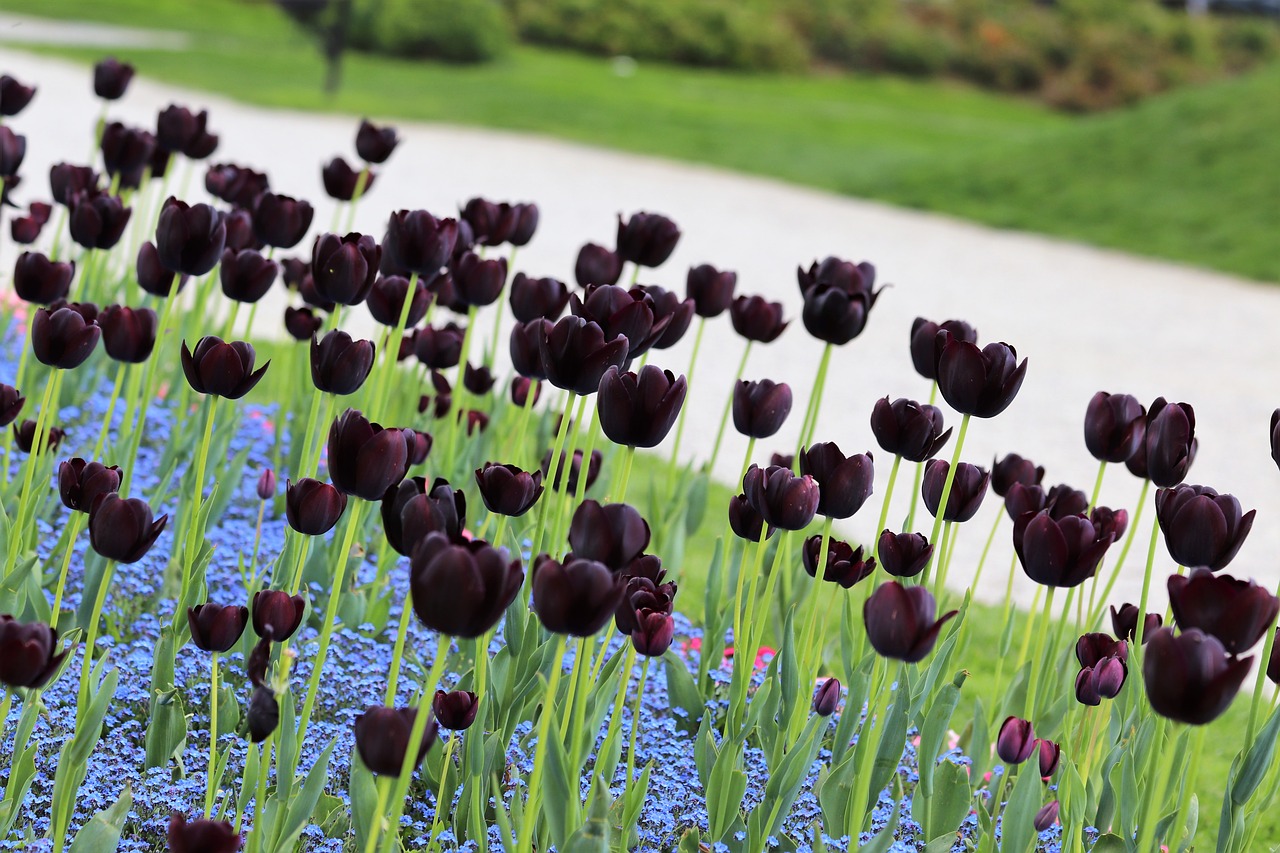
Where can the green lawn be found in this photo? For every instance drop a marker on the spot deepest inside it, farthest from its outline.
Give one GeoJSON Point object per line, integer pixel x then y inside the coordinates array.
{"type": "Point", "coordinates": [1187, 176]}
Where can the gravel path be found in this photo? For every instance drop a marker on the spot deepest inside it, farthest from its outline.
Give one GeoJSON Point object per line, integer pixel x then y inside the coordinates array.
{"type": "Point", "coordinates": [1088, 319]}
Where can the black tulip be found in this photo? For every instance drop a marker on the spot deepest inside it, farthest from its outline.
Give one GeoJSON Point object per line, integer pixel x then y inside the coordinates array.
{"type": "Point", "coordinates": [621, 313]}
{"type": "Point", "coordinates": [364, 459]}
{"type": "Point", "coordinates": [190, 238]}
{"type": "Point", "coordinates": [978, 382]}
{"type": "Point", "coordinates": [1114, 426]}
{"type": "Point", "coordinates": [25, 230]}
{"type": "Point", "coordinates": [221, 369]}
{"type": "Point", "coordinates": [903, 555]}
{"type": "Point", "coordinates": [967, 490]}
{"type": "Point", "coordinates": [1014, 469]}
{"type": "Point", "coordinates": [1275, 437]}
{"type": "Point", "coordinates": [1189, 677]}
{"type": "Point", "coordinates": [710, 289]}
{"type": "Point", "coordinates": [455, 710]}
{"type": "Point", "coordinates": [844, 482]}
{"type": "Point", "coordinates": [14, 96]}
{"type": "Point", "coordinates": [612, 534]}
{"type": "Point", "coordinates": [341, 181]}
{"type": "Point", "coordinates": [596, 265]}
{"type": "Point", "coordinates": [562, 480]}
{"type": "Point", "coordinates": [1201, 527]}
{"type": "Point", "coordinates": [526, 348]}
{"type": "Point", "coordinates": [13, 148]}
{"type": "Point", "coordinates": [787, 501]}
{"type": "Point", "coordinates": [478, 380]}
{"type": "Point", "coordinates": [239, 224]}
{"type": "Point", "coordinates": [756, 319]}
{"type": "Point", "coordinates": [745, 520]}
{"type": "Point", "coordinates": [532, 298]}
{"type": "Point", "coordinates": [827, 698]}
{"type": "Point", "coordinates": [97, 220]}
{"type": "Point", "coordinates": [838, 298]}
{"type": "Point", "coordinates": [340, 365]}
{"type": "Point", "coordinates": [521, 388]}
{"type": "Point", "coordinates": [153, 276]}
{"type": "Point", "coordinates": [575, 354]}
{"type": "Point", "coordinates": [647, 239]}
{"type": "Point", "coordinates": [843, 564]}
{"type": "Point", "coordinates": [201, 836]}
{"type": "Point", "coordinates": [926, 347]}
{"type": "Point", "coordinates": [1169, 446]}
{"type": "Point", "coordinates": [263, 716]}
{"type": "Point", "coordinates": [643, 593]}
{"type": "Point", "coordinates": [439, 347]}
{"type": "Point", "coordinates": [11, 403]}
{"type": "Point", "coordinates": [276, 614]}
{"type": "Point", "coordinates": [382, 739]}
{"type": "Point", "coordinates": [344, 268]}
{"type": "Point", "coordinates": [900, 623]}
{"type": "Point", "coordinates": [1016, 740]}
{"type": "Point", "coordinates": [653, 634]}
{"type": "Point", "coordinates": [374, 144]}
{"type": "Point", "coordinates": [1058, 552]}
{"type": "Point", "coordinates": [246, 275]}
{"type": "Point", "coordinates": [386, 300]}
{"type": "Point", "coordinates": [24, 436]}
{"type": "Point", "coordinates": [1124, 622]}
{"type": "Point", "coordinates": [508, 490]}
{"type": "Point", "coordinates": [111, 78]}
{"type": "Point", "coordinates": [760, 407]}
{"type": "Point", "coordinates": [1238, 613]}
{"type": "Point", "coordinates": [670, 309]}
{"type": "Point", "coordinates": [639, 410]}
{"type": "Point", "coordinates": [419, 242]}
{"type": "Point", "coordinates": [125, 149]}
{"type": "Point", "coordinates": [313, 507]}
{"type": "Point", "coordinates": [908, 429]}
{"type": "Point", "coordinates": [302, 323]}
{"type": "Point", "coordinates": [62, 338]}
{"type": "Point", "coordinates": [128, 334]}
{"type": "Point", "coordinates": [462, 589]}
{"type": "Point", "coordinates": [27, 653]}
{"type": "Point", "coordinates": [237, 185]}
{"type": "Point", "coordinates": [478, 281]}
{"type": "Point", "coordinates": [280, 220]}
{"type": "Point", "coordinates": [576, 597]}
{"type": "Point", "coordinates": [216, 628]}
{"type": "Point", "coordinates": [38, 279]}
{"type": "Point", "coordinates": [65, 180]}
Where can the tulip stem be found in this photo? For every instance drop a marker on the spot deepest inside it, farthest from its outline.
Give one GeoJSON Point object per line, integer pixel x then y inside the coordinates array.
{"type": "Point", "coordinates": [213, 736]}
{"type": "Point", "coordinates": [946, 496]}
{"type": "Point", "coordinates": [460, 387]}
{"type": "Point", "coordinates": [619, 491]}
{"type": "Point", "coordinates": [1097, 487]}
{"type": "Point", "coordinates": [986, 549]}
{"type": "Point", "coordinates": [1140, 628]}
{"type": "Point", "coordinates": [1189, 780]}
{"type": "Point", "coordinates": [810, 423]}
{"type": "Point", "coordinates": [91, 639]}
{"type": "Point", "coordinates": [566, 497]}
{"type": "Point", "coordinates": [1256, 700]}
{"type": "Point", "coordinates": [557, 472]}
{"type": "Point", "coordinates": [949, 533]}
{"type": "Point", "coordinates": [105, 429]}
{"type": "Point", "coordinates": [475, 743]}
{"type": "Point", "coordinates": [530, 398]}
{"type": "Point", "coordinates": [635, 721]}
{"type": "Point", "coordinates": [330, 615]}
{"type": "Point", "coordinates": [17, 383]}
{"type": "Point", "coordinates": [741, 614]}
{"type": "Point", "coordinates": [888, 495]}
{"type": "Point", "coordinates": [693, 360]}
{"type": "Point", "coordinates": [1095, 615]}
{"type": "Point", "coordinates": [1032, 688]}
{"type": "Point", "coordinates": [415, 741]}
{"type": "Point", "coordinates": [380, 808]}
{"type": "Point", "coordinates": [438, 812]}
{"type": "Point", "coordinates": [397, 653]}
{"type": "Point", "coordinates": [27, 500]}
{"type": "Point", "coordinates": [391, 350]}
{"type": "Point", "coordinates": [869, 743]}
{"type": "Point", "coordinates": [77, 521]}
{"type": "Point", "coordinates": [1153, 787]}
{"type": "Point", "coordinates": [728, 407]}
{"type": "Point", "coordinates": [491, 350]}
{"type": "Point", "coordinates": [819, 575]}
{"type": "Point", "coordinates": [524, 843]}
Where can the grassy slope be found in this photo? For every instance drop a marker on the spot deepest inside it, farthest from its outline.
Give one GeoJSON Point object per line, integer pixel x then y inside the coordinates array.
{"type": "Point", "coordinates": [1187, 176]}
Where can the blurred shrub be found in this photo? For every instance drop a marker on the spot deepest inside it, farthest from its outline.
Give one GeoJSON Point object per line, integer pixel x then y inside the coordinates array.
{"type": "Point", "coordinates": [449, 30]}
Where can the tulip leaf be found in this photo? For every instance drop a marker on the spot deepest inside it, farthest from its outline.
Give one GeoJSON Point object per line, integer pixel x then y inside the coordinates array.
{"type": "Point", "coordinates": [1109, 844]}
{"type": "Point", "coordinates": [859, 683]}
{"type": "Point", "coordinates": [1256, 761]}
{"type": "Point", "coordinates": [1017, 825]}
{"type": "Point", "coordinates": [560, 802]}
{"type": "Point", "coordinates": [946, 807]}
{"type": "Point", "coordinates": [696, 501]}
{"type": "Point", "coordinates": [789, 668]}
{"type": "Point", "coordinates": [784, 783]}
{"type": "Point", "coordinates": [713, 600]}
{"type": "Point", "coordinates": [593, 835]}
{"type": "Point", "coordinates": [885, 838]}
{"type": "Point", "coordinates": [684, 694]}
{"type": "Point", "coordinates": [633, 802]}
{"type": "Point", "coordinates": [102, 832]}
{"type": "Point", "coordinates": [725, 790]}
{"type": "Point", "coordinates": [690, 842]}
{"type": "Point", "coordinates": [941, 661]}
{"type": "Point", "coordinates": [893, 739]}
{"type": "Point", "coordinates": [935, 729]}
{"type": "Point", "coordinates": [835, 791]}
{"type": "Point", "coordinates": [301, 807]}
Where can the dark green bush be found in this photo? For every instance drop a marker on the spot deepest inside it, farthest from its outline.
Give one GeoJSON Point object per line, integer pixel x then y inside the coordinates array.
{"type": "Point", "coordinates": [450, 30]}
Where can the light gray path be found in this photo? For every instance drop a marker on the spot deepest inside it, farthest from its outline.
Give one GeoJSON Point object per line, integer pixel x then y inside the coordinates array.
{"type": "Point", "coordinates": [1088, 319]}
{"type": "Point", "coordinates": [22, 29]}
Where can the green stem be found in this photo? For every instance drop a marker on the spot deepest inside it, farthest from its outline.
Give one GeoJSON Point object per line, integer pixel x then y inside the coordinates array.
{"type": "Point", "coordinates": [213, 736]}
{"type": "Point", "coordinates": [1146, 589]}
{"type": "Point", "coordinates": [86, 667]}
{"type": "Point", "coordinates": [439, 809]}
{"type": "Point", "coordinates": [76, 523]}
{"type": "Point", "coordinates": [728, 407]}
{"type": "Point", "coordinates": [635, 722]}
{"type": "Point", "coordinates": [946, 495]}
{"type": "Point", "coordinates": [693, 360]}
{"type": "Point", "coordinates": [619, 490]}
{"type": "Point", "coordinates": [524, 843]}
{"type": "Point", "coordinates": [815, 400]}
{"type": "Point", "coordinates": [27, 500]}
{"type": "Point", "coordinates": [1095, 615]}
{"type": "Point", "coordinates": [380, 808]}
{"type": "Point", "coordinates": [105, 429]}
{"type": "Point", "coordinates": [1255, 702]}
{"type": "Point", "coordinates": [1032, 688]}
{"type": "Point", "coordinates": [888, 495]}
{"type": "Point", "coordinates": [197, 498]}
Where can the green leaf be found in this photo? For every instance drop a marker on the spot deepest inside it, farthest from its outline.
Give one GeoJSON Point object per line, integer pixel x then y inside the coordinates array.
{"type": "Point", "coordinates": [683, 693]}
{"type": "Point", "coordinates": [884, 840]}
{"type": "Point", "coordinates": [592, 836]}
{"type": "Point", "coordinates": [690, 842]}
{"type": "Point", "coordinates": [835, 790]}
{"type": "Point", "coordinates": [1256, 761]}
{"type": "Point", "coordinates": [893, 742]}
{"type": "Point", "coordinates": [784, 783]}
{"type": "Point", "coordinates": [725, 790]}
{"type": "Point", "coordinates": [300, 808]}
{"type": "Point", "coordinates": [789, 669]}
{"type": "Point", "coordinates": [102, 833]}
{"type": "Point", "coordinates": [948, 805]}
{"type": "Point", "coordinates": [560, 804]}
{"type": "Point", "coordinates": [1017, 827]}
{"type": "Point", "coordinates": [935, 729]}
{"type": "Point", "coordinates": [1109, 844]}
{"type": "Point", "coordinates": [696, 501]}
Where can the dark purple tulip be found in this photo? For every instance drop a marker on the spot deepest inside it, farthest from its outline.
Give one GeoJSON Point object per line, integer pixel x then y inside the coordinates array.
{"type": "Point", "coordinates": [216, 628]}
{"type": "Point", "coordinates": [263, 716]}
{"type": "Point", "coordinates": [294, 270]}
{"type": "Point", "coordinates": [900, 621]}
{"type": "Point", "coordinates": [1201, 527]}
{"type": "Point", "coordinates": [65, 180]}
{"type": "Point", "coordinates": [478, 380]}
{"type": "Point", "coordinates": [128, 334]}
{"type": "Point", "coordinates": [577, 597]}
{"type": "Point", "coordinates": [643, 594]}
{"type": "Point", "coordinates": [200, 146]}
{"type": "Point", "coordinates": [340, 365]}
{"type": "Point", "coordinates": [462, 590]}
{"type": "Point", "coordinates": [532, 298]}
{"type": "Point", "coordinates": [786, 460]}
{"type": "Point", "coordinates": [621, 313]}
{"type": "Point", "coordinates": [27, 656]}
{"type": "Point", "coordinates": [1189, 677]}
{"type": "Point", "coordinates": [1275, 437]}
{"type": "Point", "coordinates": [526, 348]}
{"type": "Point", "coordinates": [903, 555]}
{"type": "Point", "coordinates": [745, 520]}
{"type": "Point", "coordinates": [26, 229]}
{"type": "Point", "coordinates": [24, 435]}
{"type": "Point", "coordinates": [97, 220]}
{"type": "Point", "coordinates": [1022, 499]}
{"type": "Point", "coordinates": [419, 242]}
{"type": "Point", "coordinates": [670, 309]}
{"type": "Point", "coordinates": [61, 338]}
{"type": "Point", "coordinates": [1273, 663]}
{"type": "Point", "coordinates": [1092, 648]}
{"type": "Point", "coordinates": [978, 382]}
{"type": "Point", "coordinates": [386, 300]}
{"type": "Point", "coordinates": [11, 403]}
{"type": "Point", "coordinates": [382, 739]}
{"type": "Point", "coordinates": [647, 239]}
{"type": "Point", "coordinates": [421, 447]}
{"type": "Point", "coordinates": [302, 323]}
{"type": "Point", "coordinates": [596, 265]}
{"type": "Point", "coordinates": [439, 347]}
{"type": "Point", "coordinates": [177, 127]}
{"type": "Point", "coordinates": [1047, 816]}
{"type": "Point", "coordinates": [153, 277]}
{"type": "Point", "coordinates": [280, 220]}
{"type": "Point", "coordinates": [787, 501]}
{"type": "Point", "coordinates": [479, 282]}
{"type": "Point", "coordinates": [1014, 469]}
{"type": "Point", "coordinates": [1058, 552]}
{"type": "Point", "coordinates": [14, 96]}
{"type": "Point", "coordinates": [341, 181]}
{"type": "Point", "coordinates": [1169, 446]}
{"type": "Point", "coordinates": [612, 534]}
{"type": "Point", "coordinates": [575, 354]}
{"type": "Point", "coordinates": [239, 224]}
{"type": "Point", "coordinates": [246, 275]}
{"type": "Point", "coordinates": [524, 222]}
{"type": "Point", "coordinates": [653, 634]}
{"type": "Point", "coordinates": [483, 216]}
{"type": "Point", "coordinates": [710, 289]}
{"type": "Point", "coordinates": [756, 319]}
{"type": "Point", "coordinates": [760, 408]}
{"type": "Point", "coordinates": [110, 80]}
{"type": "Point", "coordinates": [13, 148]}
{"type": "Point", "coordinates": [836, 308]}
{"type": "Point", "coordinates": [844, 564]}
{"type": "Point", "coordinates": [364, 459]}
{"type": "Point", "coordinates": [845, 482]}
{"type": "Point", "coordinates": [1238, 613]}
{"type": "Point", "coordinates": [190, 238]}
{"type": "Point", "coordinates": [639, 410]}
{"type": "Point", "coordinates": [1049, 754]}
{"type": "Point", "coordinates": [521, 388]}
{"type": "Point", "coordinates": [38, 279]}
{"type": "Point", "coordinates": [1114, 426]}
{"type": "Point", "coordinates": [237, 185]}
{"type": "Point", "coordinates": [201, 836]}
{"type": "Point", "coordinates": [122, 529]}
{"type": "Point", "coordinates": [311, 296]}
{"type": "Point", "coordinates": [455, 710]}
{"type": "Point", "coordinates": [1016, 741]}
{"type": "Point", "coordinates": [967, 490]}
{"type": "Point", "coordinates": [926, 347]}
{"type": "Point", "coordinates": [266, 485]}
{"type": "Point", "coordinates": [508, 490]}
{"type": "Point", "coordinates": [908, 429]}
{"type": "Point", "coordinates": [1110, 522]}
{"type": "Point", "coordinates": [1102, 680]}
{"type": "Point", "coordinates": [276, 614]}
{"type": "Point", "coordinates": [221, 369]}
{"type": "Point", "coordinates": [374, 144]}
{"type": "Point", "coordinates": [344, 268]}
{"type": "Point", "coordinates": [562, 480]}
{"type": "Point", "coordinates": [126, 149]}
{"type": "Point", "coordinates": [411, 512]}
{"type": "Point", "coordinates": [1124, 622]}
{"type": "Point", "coordinates": [827, 698]}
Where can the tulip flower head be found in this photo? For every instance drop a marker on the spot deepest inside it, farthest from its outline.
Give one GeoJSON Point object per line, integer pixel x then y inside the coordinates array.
{"type": "Point", "coordinates": [926, 346]}
{"type": "Point", "coordinates": [382, 739]}
{"type": "Point", "coordinates": [1169, 444]}
{"type": "Point", "coordinates": [29, 655]}
{"type": "Point", "coordinates": [1235, 612]}
{"type": "Point", "coordinates": [455, 710]}
{"type": "Point", "coordinates": [123, 529]}
{"type": "Point", "coordinates": [908, 429]}
{"type": "Point", "coordinates": [596, 265]}
{"type": "Point", "coordinates": [80, 483]}
{"type": "Point", "coordinates": [1201, 527]}
{"type": "Point", "coordinates": [900, 621]}
{"type": "Point", "coordinates": [844, 483]}
{"type": "Point", "coordinates": [508, 490]}
{"type": "Point", "coordinates": [364, 458]}
{"type": "Point", "coordinates": [462, 589]}
{"type": "Point", "coordinates": [576, 597]}
{"type": "Point", "coordinates": [111, 78]}
{"type": "Point", "coordinates": [1124, 622]}
{"type": "Point", "coordinates": [638, 410]}
{"type": "Point", "coordinates": [978, 382]}
{"type": "Point", "coordinates": [827, 698]}
{"type": "Point", "coordinates": [785, 500]}
{"type": "Point", "coordinates": [710, 289]}
{"type": "Point", "coordinates": [1115, 426]}
{"type": "Point", "coordinates": [843, 565]}
{"type": "Point", "coordinates": [62, 338]}
{"type": "Point", "coordinates": [756, 319]}
{"type": "Point", "coordinates": [201, 836]}
{"type": "Point", "coordinates": [1016, 741]}
{"type": "Point", "coordinates": [313, 507]}
{"type": "Point", "coordinates": [221, 369]}
{"type": "Point", "coordinates": [1189, 676]}
{"type": "Point", "coordinates": [38, 279]}
{"type": "Point", "coordinates": [1014, 469]}
{"type": "Point", "coordinates": [216, 628]}
{"type": "Point", "coordinates": [967, 490]}
{"type": "Point", "coordinates": [647, 239]}
{"type": "Point", "coordinates": [903, 555]}
{"type": "Point", "coordinates": [760, 407]}
{"type": "Point", "coordinates": [276, 614]}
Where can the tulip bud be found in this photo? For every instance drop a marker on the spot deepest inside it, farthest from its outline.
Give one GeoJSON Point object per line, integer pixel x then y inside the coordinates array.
{"type": "Point", "coordinates": [479, 282]}
{"type": "Point", "coordinates": [344, 268]}
{"type": "Point", "coordinates": [760, 408]}
{"type": "Point", "coordinates": [613, 534]}
{"type": "Point", "coordinates": [1087, 689]}
{"type": "Point", "coordinates": [276, 614]}
{"type": "Point", "coordinates": [1201, 527]}
{"type": "Point", "coordinates": [38, 279]}
{"type": "Point", "coordinates": [647, 239]}
{"type": "Point", "coordinates": [844, 483]}
{"type": "Point", "coordinates": [62, 338]}
{"type": "Point", "coordinates": [903, 555]}
{"type": "Point", "coordinates": [1016, 740]}
{"type": "Point", "coordinates": [838, 297]}
{"type": "Point", "coordinates": [508, 490]}
{"type": "Point", "coordinates": [65, 180]}
{"type": "Point", "coordinates": [456, 710]}
{"type": "Point", "coordinates": [364, 459]}
{"type": "Point", "coordinates": [26, 229]}
{"type": "Point", "coordinates": [532, 298]}
{"type": "Point", "coordinates": [1108, 677]}
{"type": "Point", "coordinates": [312, 507]}
{"type": "Point", "coordinates": [596, 265]}
{"type": "Point", "coordinates": [478, 380]}
{"type": "Point", "coordinates": [419, 512]}
{"type": "Point", "coordinates": [341, 181]}
{"type": "Point", "coordinates": [11, 402]}
{"type": "Point", "coordinates": [264, 713]}
{"type": "Point", "coordinates": [1124, 622]}
{"type": "Point", "coordinates": [387, 296]}
{"type": "Point", "coordinates": [967, 490]}
{"type": "Point", "coordinates": [575, 354]}
{"type": "Point", "coordinates": [639, 410]}
{"type": "Point", "coordinates": [566, 482]}
{"type": "Point", "coordinates": [827, 698]}
{"type": "Point", "coordinates": [417, 241]}
{"type": "Point", "coordinates": [246, 275]}
{"type": "Point", "coordinates": [24, 435]}
{"type": "Point", "coordinates": [483, 581]}
{"type": "Point", "coordinates": [745, 521]}
{"type": "Point", "coordinates": [97, 220]}
{"type": "Point", "coordinates": [27, 656]}
{"type": "Point", "coordinates": [374, 144]}
{"type": "Point", "coordinates": [643, 595]}
{"type": "Point", "coordinates": [382, 739]}
{"type": "Point", "coordinates": [710, 289]}
{"type": "Point", "coordinates": [1235, 612]}
{"type": "Point", "coordinates": [1189, 677]}
{"type": "Point", "coordinates": [900, 623]}
{"type": "Point", "coordinates": [340, 365]}
{"type": "Point", "coordinates": [576, 597]}
{"type": "Point", "coordinates": [152, 275]}
{"type": "Point", "coordinates": [908, 429]}
{"type": "Point", "coordinates": [843, 563]}
{"type": "Point", "coordinates": [622, 313]}
{"type": "Point", "coordinates": [80, 483]}
{"type": "Point", "coordinates": [14, 96]}
{"type": "Point", "coordinates": [1114, 426]}
{"type": "Point", "coordinates": [110, 80]}
{"type": "Point", "coordinates": [201, 836]}
{"type": "Point", "coordinates": [978, 382]}
{"type": "Point", "coordinates": [1092, 648]}
{"type": "Point", "coordinates": [1046, 817]}
{"type": "Point", "coordinates": [280, 220]}
{"type": "Point", "coordinates": [221, 369]}
{"type": "Point", "coordinates": [239, 186]}
{"type": "Point", "coordinates": [653, 633]}
{"type": "Point", "coordinates": [215, 628]}
{"type": "Point", "coordinates": [128, 334]}
{"type": "Point", "coordinates": [669, 310]}
{"type": "Point", "coordinates": [1014, 469]}
{"type": "Point", "coordinates": [302, 323]}
{"type": "Point", "coordinates": [786, 501]}
{"type": "Point", "coordinates": [756, 319]}
{"type": "Point", "coordinates": [925, 346]}
{"type": "Point", "coordinates": [1049, 755]}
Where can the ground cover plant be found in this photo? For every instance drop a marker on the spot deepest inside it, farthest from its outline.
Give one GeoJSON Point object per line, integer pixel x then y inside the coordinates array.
{"type": "Point", "coordinates": [456, 633]}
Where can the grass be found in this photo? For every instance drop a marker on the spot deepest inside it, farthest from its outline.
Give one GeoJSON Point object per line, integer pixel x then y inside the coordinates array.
{"type": "Point", "coordinates": [1186, 176]}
